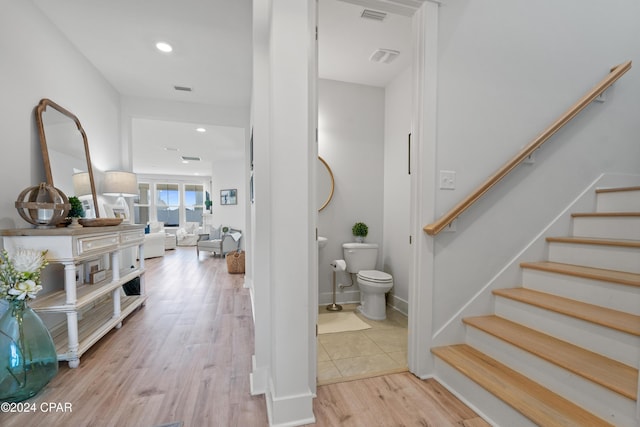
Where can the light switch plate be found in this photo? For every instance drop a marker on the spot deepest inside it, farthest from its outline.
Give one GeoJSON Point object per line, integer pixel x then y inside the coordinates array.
{"type": "Point", "coordinates": [447, 180]}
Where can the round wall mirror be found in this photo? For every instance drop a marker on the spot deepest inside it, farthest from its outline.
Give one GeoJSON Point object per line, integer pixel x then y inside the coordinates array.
{"type": "Point", "coordinates": [325, 184]}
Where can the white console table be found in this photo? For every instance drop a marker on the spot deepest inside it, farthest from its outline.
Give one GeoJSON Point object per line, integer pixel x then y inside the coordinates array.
{"type": "Point", "coordinates": [91, 310]}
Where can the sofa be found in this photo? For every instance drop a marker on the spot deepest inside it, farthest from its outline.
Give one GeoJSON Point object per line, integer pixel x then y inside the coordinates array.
{"type": "Point", "coordinates": [153, 245]}
{"type": "Point", "coordinates": [157, 240]}
{"type": "Point", "coordinates": [219, 242]}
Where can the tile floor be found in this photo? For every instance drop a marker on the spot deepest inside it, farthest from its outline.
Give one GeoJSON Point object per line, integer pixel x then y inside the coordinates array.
{"type": "Point", "coordinates": [346, 356]}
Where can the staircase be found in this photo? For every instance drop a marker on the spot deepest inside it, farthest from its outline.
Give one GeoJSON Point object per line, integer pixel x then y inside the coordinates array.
{"type": "Point", "coordinates": [564, 348]}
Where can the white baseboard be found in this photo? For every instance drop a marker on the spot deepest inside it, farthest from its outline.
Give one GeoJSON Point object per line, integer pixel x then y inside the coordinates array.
{"type": "Point", "coordinates": [398, 304]}
{"type": "Point", "coordinates": [342, 297]}
{"type": "Point", "coordinates": [257, 379]}
{"type": "Point", "coordinates": [291, 410]}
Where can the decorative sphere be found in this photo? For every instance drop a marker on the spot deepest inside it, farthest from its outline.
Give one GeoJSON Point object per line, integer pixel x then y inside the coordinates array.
{"type": "Point", "coordinates": [43, 205]}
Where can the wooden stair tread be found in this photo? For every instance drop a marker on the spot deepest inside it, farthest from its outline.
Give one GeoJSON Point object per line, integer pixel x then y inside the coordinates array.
{"type": "Point", "coordinates": [617, 189]}
{"type": "Point", "coordinates": [595, 241]}
{"type": "Point", "coordinates": [618, 320]}
{"type": "Point", "coordinates": [605, 214]}
{"type": "Point", "coordinates": [609, 373]}
{"type": "Point", "coordinates": [614, 276]}
{"type": "Point", "coordinates": [532, 400]}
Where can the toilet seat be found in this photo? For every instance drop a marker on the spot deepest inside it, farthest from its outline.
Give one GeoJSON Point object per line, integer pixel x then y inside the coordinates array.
{"type": "Point", "coordinates": [375, 276]}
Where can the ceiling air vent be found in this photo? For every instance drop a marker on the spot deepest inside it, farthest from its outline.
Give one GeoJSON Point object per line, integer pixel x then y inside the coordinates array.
{"type": "Point", "coordinates": [183, 88]}
{"type": "Point", "coordinates": [190, 158]}
{"type": "Point", "coordinates": [384, 55]}
{"type": "Point", "coordinates": [373, 14]}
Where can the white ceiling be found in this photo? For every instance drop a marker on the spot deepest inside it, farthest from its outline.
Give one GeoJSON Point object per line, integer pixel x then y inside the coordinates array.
{"type": "Point", "coordinates": [212, 55]}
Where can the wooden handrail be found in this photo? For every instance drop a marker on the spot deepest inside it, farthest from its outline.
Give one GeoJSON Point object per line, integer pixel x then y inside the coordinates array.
{"type": "Point", "coordinates": [446, 219]}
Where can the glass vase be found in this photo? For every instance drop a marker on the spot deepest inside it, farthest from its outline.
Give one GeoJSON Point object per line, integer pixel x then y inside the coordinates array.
{"type": "Point", "coordinates": [28, 359]}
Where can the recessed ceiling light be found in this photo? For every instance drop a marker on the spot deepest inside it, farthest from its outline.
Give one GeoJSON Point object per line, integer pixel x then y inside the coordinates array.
{"type": "Point", "coordinates": [164, 47]}
{"type": "Point", "coordinates": [170, 149]}
{"type": "Point", "coordinates": [201, 130]}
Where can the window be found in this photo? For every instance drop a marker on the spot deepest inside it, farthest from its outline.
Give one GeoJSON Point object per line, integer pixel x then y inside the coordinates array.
{"type": "Point", "coordinates": [141, 204]}
{"type": "Point", "coordinates": [194, 202]}
{"type": "Point", "coordinates": [172, 203]}
{"type": "Point", "coordinates": [168, 204]}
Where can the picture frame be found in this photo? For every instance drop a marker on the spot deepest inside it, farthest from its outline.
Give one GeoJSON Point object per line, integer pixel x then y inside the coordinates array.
{"type": "Point", "coordinates": [229, 197]}
{"type": "Point", "coordinates": [119, 212]}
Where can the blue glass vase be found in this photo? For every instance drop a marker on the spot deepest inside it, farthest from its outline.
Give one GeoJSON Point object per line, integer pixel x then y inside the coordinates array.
{"type": "Point", "coordinates": [28, 359]}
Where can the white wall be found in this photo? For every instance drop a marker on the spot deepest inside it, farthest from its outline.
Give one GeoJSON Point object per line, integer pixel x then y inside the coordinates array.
{"type": "Point", "coordinates": [506, 70]}
{"type": "Point", "coordinates": [38, 62]}
{"type": "Point", "coordinates": [227, 175]}
{"type": "Point", "coordinates": [396, 247]}
{"type": "Point", "coordinates": [351, 140]}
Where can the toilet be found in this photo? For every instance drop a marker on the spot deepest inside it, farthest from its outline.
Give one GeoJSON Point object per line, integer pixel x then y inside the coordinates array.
{"type": "Point", "coordinates": [361, 260]}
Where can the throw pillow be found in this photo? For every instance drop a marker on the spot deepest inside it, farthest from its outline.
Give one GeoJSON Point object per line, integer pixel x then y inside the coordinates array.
{"type": "Point", "coordinates": [215, 233]}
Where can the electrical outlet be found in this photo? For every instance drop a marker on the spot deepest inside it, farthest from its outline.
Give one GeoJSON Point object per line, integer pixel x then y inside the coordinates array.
{"type": "Point", "coordinates": [447, 180]}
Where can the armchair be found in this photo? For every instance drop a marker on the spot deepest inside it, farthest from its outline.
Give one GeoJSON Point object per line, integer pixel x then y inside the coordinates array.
{"type": "Point", "coordinates": [186, 236]}
{"type": "Point", "coordinates": [218, 242]}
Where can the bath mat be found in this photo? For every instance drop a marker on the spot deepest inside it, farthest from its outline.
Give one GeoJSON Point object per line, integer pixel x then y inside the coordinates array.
{"type": "Point", "coordinates": [340, 322]}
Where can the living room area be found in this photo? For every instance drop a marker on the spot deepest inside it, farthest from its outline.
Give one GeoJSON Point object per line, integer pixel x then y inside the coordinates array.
{"type": "Point", "coordinates": [178, 212]}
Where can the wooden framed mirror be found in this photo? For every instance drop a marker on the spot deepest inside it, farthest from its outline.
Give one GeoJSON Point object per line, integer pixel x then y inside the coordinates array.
{"type": "Point", "coordinates": [325, 183]}
{"type": "Point", "coordinates": [65, 151]}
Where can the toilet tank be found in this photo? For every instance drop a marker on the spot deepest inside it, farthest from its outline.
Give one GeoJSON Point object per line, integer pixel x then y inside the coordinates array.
{"type": "Point", "coordinates": [360, 256]}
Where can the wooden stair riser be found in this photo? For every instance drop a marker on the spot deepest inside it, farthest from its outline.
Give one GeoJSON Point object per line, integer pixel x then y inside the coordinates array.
{"type": "Point", "coordinates": [619, 201]}
{"type": "Point", "coordinates": [611, 295]}
{"type": "Point", "coordinates": [611, 343]}
{"type": "Point", "coordinates": [599, 400]}
{"type": "Point", "coordinates": [491, 407]}
{"type": "Point", "coordinates": [598, 256]}
{"type": "Point", "coordinates": [607, 227]}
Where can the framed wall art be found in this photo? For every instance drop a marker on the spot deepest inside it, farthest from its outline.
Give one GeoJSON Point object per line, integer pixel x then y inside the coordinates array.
{"type": "Point", "coordinates": [229, 197]}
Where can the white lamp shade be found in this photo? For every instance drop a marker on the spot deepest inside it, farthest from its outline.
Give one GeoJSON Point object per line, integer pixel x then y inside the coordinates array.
{"type": "Point", "coordinates": [120, 183]}
{"type": "Point", "coordinates": [81, 184]}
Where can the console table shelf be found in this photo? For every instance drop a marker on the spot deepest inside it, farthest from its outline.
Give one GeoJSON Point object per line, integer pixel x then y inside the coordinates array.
{"type": "Point", "coordinates": [85, 294]}
{"type": "Point", "coordinates": [90, 310]}
{"type": "Point", "coordinates": [94, 326]}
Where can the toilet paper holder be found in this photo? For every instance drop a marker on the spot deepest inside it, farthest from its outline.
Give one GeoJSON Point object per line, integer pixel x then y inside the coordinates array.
{"type": "Point", "coordinates": [336, 265]}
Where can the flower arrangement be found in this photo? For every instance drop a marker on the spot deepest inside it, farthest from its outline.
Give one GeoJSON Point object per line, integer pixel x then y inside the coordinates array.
{"type": "Point", "coordinates": [20, 274]}
{"type": "Point", "coordinates": [28, 360]}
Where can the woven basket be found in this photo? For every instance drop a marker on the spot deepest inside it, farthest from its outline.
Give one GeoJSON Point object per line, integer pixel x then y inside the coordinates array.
{"type": "Point", "coordinates": [235, 262]}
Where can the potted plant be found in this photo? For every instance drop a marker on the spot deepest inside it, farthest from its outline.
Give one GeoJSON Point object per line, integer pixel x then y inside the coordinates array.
{"type": "Point", "coordinates": [360, 231]}
{"type": "Point", "coordinates": [76, 212]}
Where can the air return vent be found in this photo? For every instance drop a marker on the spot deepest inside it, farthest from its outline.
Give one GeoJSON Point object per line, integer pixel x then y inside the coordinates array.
{"type": "Point", "coordinates": [191, 158]}
{"type": "Point", "coordinates": [373, 14]}
{"type": "Point", "coordinates": [384, 55]}
{"type": "Point", "coordinates": [183, 88]}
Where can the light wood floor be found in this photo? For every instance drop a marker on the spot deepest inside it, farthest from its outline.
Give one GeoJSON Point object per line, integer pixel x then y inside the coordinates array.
{"type": "Point", "coordinates": [186, 357]}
